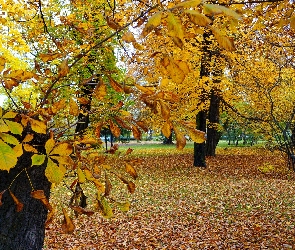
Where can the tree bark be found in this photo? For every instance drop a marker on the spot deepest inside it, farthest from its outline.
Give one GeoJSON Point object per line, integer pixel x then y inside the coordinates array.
{"type": "Point", "coordinates": [24, 230]}
{"type": "Point", "coordinates": [213, 135]}
{"type": "Point", "coordinates": [199, 148]}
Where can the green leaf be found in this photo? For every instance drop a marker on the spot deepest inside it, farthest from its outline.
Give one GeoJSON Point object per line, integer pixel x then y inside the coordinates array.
{"type": "Point", "coordinates": [123, 206]}
{"type": "Point", "coordinates": [106, 210]}
{"type": "Point", "coordinates": [8, 157]}
{"type": "Point", "coordinates": [14, 127]}
{"type": "Point", "coordinates": [38, 160]}
{"type": "Point", "coordinates": [174, 26]}
{"type": "Point", "coordinates": [10, 139]}
{"type": "Point", "coordinates": [54, 173]}
{"type": "Point", "coordinates": [153, 22]}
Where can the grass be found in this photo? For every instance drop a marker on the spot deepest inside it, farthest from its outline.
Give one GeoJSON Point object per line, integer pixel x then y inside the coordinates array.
{"type": "Point", "coordinates": [230, 205]}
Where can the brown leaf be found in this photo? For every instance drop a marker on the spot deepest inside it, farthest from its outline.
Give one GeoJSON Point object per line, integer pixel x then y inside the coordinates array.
{"type": "Point", "coordinates": [131, 187]}
{"type": "Point", "coordinates": [136, 133]}
{"type": "Point", "coordinates": [50, 217]}
{"type": "Point", "coordinates": [39, 195]}
{"type": "Point", "coordinates": [131, 170]}
{"type": "Point", "coordinates": [63, 68]}
{"type": "Point", "coordinates": [67, 225]}
{"type": "Point", "coordinates": [112, 23]}
{"type": "Point", "coordinates": [1, 194]}
{"type": "Point", "coordinates": [81, 210]}
{"type": "Point", "coordinates": [19, 205]}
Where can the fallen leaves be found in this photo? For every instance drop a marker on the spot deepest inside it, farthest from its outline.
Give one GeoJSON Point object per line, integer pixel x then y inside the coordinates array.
{"type": "Point", "coordinates": [229, 205]}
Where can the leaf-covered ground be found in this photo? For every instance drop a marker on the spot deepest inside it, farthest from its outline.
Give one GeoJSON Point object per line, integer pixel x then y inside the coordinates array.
{"type": "Point", "coordinates": [243, 200]}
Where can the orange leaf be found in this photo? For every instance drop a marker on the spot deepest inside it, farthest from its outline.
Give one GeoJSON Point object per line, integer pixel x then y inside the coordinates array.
{"type": "Point", "coordinates": [108, 186]}
{"type": "Point", "coordinates": [180, 138]}
{"type": "Point", "coordinates": [68, 225]}
{"type": "Point", "coordinates": [19, 205]}
{"type": "Point", "coordinates": [114, 129]}
{"type": "Point", "coordinates": [50, 217]}
{"type": "Point", "coordinates": [39, 195]}
{"type": "Point", "coordinates": [166, 129]}
{"type": "Point", "coordinates": [129, 151]}
{"type": "Point", "coordinates": [136, 133]}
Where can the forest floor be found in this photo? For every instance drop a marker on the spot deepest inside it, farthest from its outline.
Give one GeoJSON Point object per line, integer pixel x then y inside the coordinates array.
{"type": "Point", "coordinates": [244, 199]}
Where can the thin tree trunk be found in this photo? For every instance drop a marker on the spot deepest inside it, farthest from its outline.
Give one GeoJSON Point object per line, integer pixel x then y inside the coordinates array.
{"type": "Point", "coordinates": [24, 230]}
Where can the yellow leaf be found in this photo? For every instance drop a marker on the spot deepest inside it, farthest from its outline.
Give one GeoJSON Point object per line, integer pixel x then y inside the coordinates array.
{"type": "Point", "coordinates": [176, 74]}
{"type": "Point", "coordinates": [74, 108]}
{"type": "Point", "coordinates": [63, 68]}
{"type": "Point", "coordinates": [131, 170]}
{"type": "Point", "coordinates": [67, 225]}
{"type": "Point", "coordinates": [100, 90]}
{"type": "Point", "coordinates": [49, 145]}
{"type": "Point", "coordinates": [54, 173]}
{"type": "Point", "coordinates": [128, 37]}
{"type": "Point", "coordinates": [198, 18]}
{"type": "Point", "coordinates": [89, 175]}
{"type": "Point", "coordinates": [219, 9]}
{"type": "Point", "coordinates": [196, 135]}
{"type": "Point", "coordinates": [153, 22]}
{"type": "Point", "coordinates": [63, 160]}
{"type": "Point", "coordinates": [99, 186]}
{"type": "Point", "coordinates": [175, 28]}
{"type": "Point", "coordinates": [38, 126]}
{"type": "Point", "coordinates": [18, 150]}
{"type": "Point", "coordinates": [81, 176]}
{"type": "Point", "coordinates": [63, 149]}
{"type": "Point", "coordinates": [188, 4]}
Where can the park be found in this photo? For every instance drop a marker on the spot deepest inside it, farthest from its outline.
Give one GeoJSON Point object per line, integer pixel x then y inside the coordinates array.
{"type": "Point", "coordinates": [149, 124]}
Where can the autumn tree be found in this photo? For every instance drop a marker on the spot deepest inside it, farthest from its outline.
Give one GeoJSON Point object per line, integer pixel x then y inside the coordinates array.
{"type": "Point", "coordinates": [58, 50]}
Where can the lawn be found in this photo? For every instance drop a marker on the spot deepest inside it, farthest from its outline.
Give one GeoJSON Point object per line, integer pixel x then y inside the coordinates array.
{"type": "Point", "coordinates": [244, 199]}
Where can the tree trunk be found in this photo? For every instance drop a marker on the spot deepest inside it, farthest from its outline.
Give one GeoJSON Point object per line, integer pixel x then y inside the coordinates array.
{"type": "Point", "coordinates": [168, 140]}
{"type": "Point", "coordinates": [24, 230]}
{"type": "Point", "coordinates": [199, 148]}
{"type": "Point", "coordinates": [213, 135]}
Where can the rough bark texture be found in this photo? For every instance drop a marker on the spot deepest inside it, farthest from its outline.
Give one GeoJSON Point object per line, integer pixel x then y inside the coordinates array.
{"type": "Point", "coordinates": [24, 230]}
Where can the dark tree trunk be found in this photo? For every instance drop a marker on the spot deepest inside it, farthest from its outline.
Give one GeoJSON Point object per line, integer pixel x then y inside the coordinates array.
{"type": "Point", "coordinates": [24, 230]}
{"type": "Point", "coordinates": [168, 140]}
{"type": "Point", "coordinates": [199, 148]}
{"type": "Point", "coordinates": [213, 135]}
